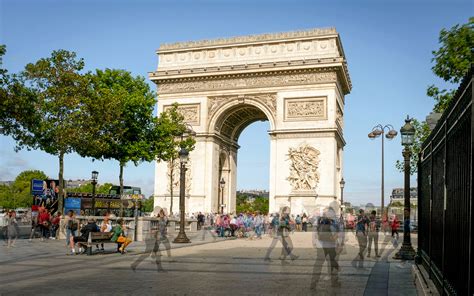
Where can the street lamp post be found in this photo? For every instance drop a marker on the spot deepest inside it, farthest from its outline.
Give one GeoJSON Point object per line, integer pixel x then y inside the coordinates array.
{"type": "Point", "coordinates": [95, 174]}
{"type": "Point", "coordinates": [222, 184]}
{"type": "Point", "coordinates": [183, 157]}
{"type": "Point", "coordinates": [342, 184]}
{"type": "Point", "coordinates": [408, 134]}
{"type": "Point", "coordinates": [379, 130]}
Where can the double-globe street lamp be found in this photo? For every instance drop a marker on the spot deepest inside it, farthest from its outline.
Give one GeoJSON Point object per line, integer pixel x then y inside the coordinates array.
{"type": "Point", "coordinates": [379, 130]}
{"type": "Point", "coordinates": [95, 175]}
{"type": "Point", "coordinates": [222, 185]}
{"type": "Point", "coordinates": [408, 136]}
{"type": "Point", "coordinates": [183, 159]}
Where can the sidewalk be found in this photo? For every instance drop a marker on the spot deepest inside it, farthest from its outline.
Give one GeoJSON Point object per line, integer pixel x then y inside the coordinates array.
{"type": "Point", "coordinates": [204, 267]}
{"type": "Point", "coordinates": [25, 249]}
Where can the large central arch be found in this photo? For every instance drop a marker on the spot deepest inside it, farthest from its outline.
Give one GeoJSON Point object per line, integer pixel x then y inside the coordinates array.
{"type": "Point", "coordinates": [296, 81]}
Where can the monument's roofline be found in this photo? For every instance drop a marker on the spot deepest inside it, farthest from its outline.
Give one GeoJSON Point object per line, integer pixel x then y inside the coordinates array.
{"type": "Point", "coordinates": [259, 38]}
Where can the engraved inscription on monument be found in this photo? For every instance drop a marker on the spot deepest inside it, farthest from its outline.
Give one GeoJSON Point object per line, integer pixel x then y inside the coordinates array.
{"type": "Point", "coordinates": [305, 108]}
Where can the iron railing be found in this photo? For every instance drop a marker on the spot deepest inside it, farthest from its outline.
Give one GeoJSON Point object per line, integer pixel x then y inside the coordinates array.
{"type": "Point", "coordinates": [445, 197]}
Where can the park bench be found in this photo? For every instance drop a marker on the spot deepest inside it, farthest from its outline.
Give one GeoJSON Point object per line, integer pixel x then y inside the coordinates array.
{"type": "Point", "coordinates": [98, 238]}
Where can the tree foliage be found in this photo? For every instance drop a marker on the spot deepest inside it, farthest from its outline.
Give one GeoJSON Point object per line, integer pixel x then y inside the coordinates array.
{"type": "Point", "coordinates": [117, 121]}
{"type": "Point", "coordinates": [41, 106]}
{"type": "Point", "coordinates": [243, 205]}
{"type": "Point", "coordinates": [396, 204]}
{"type": "Point", "coordinates": [147, 205]}
{"type": "Point", "coordinates": [18, 194]}
{"type": "Point", "coordinates": [422, 131]}
{"type": "Point", "coordinates": [87, 188]}
{"type": "Point", "coordinates": [451, 62]}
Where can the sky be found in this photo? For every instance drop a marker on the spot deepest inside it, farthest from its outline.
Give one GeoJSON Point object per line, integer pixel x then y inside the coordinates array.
{"type": "Point", "coordinates": [388, 47]}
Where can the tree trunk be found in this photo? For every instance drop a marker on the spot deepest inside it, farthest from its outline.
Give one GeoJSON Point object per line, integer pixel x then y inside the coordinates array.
{"type": "Point", "coordinates": [171, 185]}
{"type": "Point", "coordinates": [121, 187]}
{"type": "Point", "coordinates": [61, 183]}
{"type": "Point", "coordinates": [121, 178]}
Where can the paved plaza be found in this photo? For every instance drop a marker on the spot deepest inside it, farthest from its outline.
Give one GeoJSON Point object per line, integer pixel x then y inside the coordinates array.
{"type": "Point", "coordinates": [205, 267]}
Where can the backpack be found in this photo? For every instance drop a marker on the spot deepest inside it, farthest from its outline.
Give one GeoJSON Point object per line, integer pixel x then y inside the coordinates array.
{"type": "Point", "coordinates": [325, 230]}
{"type": "Point", "coordinates": [72, 225]}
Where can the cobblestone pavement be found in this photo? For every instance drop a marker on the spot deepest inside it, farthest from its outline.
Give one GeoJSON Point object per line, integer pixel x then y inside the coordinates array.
{"type": "Point", "coordinates": [205, 267]}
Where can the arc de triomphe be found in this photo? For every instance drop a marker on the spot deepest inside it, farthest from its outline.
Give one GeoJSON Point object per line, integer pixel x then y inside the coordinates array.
{"type": "Point", "coordinates": [295, 80]}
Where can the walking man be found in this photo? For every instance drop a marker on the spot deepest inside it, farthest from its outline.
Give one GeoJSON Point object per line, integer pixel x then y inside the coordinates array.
{"type": "Point", "coordinates": [361, 232]}
{"type": "Point", "coordinates": [374, 228]}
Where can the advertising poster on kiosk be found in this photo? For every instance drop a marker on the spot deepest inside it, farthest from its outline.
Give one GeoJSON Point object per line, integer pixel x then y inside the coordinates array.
{"type": "Point", "coordinates": [45, 192]}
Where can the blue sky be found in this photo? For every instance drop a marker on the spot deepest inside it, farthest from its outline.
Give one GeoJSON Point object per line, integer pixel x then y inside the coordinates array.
{"type": "Point", "coordinates": [388, 46]}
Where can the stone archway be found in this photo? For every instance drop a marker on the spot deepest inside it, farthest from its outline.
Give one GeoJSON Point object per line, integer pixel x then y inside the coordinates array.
{"type": "Point", "coordinates": [296, 81]}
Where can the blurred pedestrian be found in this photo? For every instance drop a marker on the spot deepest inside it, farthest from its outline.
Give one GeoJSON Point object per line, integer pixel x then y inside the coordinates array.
{"type": "Point", "coordinates": [361, 232]}
{"type": "Point", "coordinates": [373, 234]}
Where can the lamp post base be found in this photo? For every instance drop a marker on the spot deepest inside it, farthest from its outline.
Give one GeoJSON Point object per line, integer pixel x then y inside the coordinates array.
{"type": "Point", "coordinates": [181, 239]}
{"type": "Point", "coordinates": [406, 253]}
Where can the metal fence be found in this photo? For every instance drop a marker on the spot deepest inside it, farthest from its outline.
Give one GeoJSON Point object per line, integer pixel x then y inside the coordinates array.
{"type": "Point", "coordinates": [445, 197]}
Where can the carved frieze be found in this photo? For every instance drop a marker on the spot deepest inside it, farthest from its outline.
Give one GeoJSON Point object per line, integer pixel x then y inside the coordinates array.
{"type": "Point", "coordinates": [339, 117]}
{"type": "Point", "coordinates": [190, 112]}
{"type": "Point", "coordinates": [214, 103]}
{"type": "Point", "coordinates": [305, 108]}
{"type": "Point", "coordinates": [251, 81]}
{"type": "Point", "coordinates": [268, 100]}
{"type": "Point", "coordinates": [304, 166]}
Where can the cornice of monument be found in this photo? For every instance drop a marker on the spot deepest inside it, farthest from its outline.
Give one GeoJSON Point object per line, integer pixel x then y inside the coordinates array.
{"type": "Point", "coordinates": [252, 79]}
{"type": "Point", "coordinates": [208, 71]}
{"type": "Point", "coordinates": [314, 48]}
{"type": "Point", "coordinates": [258, 38]}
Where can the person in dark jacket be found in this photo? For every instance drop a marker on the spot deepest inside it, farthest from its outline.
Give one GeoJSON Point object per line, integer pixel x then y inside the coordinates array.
{"type": "Point", "coordinates": [91, 226]}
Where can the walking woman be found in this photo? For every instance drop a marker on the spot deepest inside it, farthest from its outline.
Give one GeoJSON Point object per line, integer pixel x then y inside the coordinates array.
{"type": "Point", "coordinates": [12, 229]}
{"type": "Point", "coordinates": [71, 227]}
{"type": "Point", "coordinates": [395, 225]}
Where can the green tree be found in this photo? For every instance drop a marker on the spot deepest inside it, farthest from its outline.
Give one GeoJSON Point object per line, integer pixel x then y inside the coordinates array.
{"type": "Point", "coordinates": [18, 194]}
{"type": "Point", "coordinates": [3, 51]}
{"type": "Point", "coordinates": [117, 121]}
{"type": "Point", "coordinates": [47, 118]}
{"type": "Point", "coordinates": [451, 63]}
{"type": "Point", "coordinates": [147, 204]}
{"type": "Point", "coordinates": [17, 105]}
{"type": "Point", "coordinates": [243, 204]}
{"type": "Point", "coordinates": [87, 188]}
{"type": "Point", "coordinates": [422, 131]}
{"type": "Point", "coordinates": [396, 204]}
{"type": "Point", "coordinates": [167, 140]}
{"type": "Point", "coordinates": [116, 118]}
{"type": "Point", "coordinates": [261, 204]}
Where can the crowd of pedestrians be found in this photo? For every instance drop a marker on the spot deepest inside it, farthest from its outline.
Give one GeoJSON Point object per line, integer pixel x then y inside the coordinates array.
{"type": "Point", "coordinates": [250, 225]}
{"type": "Point", "coordinates": [44, 225]}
